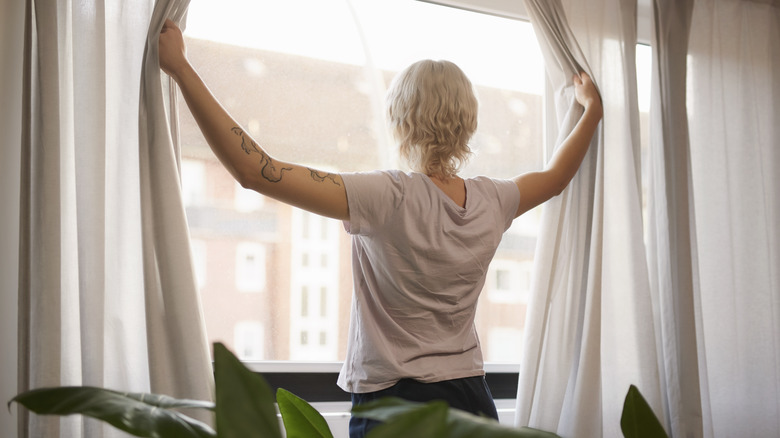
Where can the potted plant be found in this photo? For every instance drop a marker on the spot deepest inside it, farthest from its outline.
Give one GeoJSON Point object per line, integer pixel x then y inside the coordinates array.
{"type": "Point", "coordinates": [245, 407]}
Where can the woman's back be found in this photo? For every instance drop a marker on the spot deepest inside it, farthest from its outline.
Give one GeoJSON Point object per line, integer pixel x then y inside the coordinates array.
{"type": "Point", "coordinates": [419, 264]}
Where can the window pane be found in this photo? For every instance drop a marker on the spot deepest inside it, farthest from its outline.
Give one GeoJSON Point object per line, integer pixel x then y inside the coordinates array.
{"type": "Point", "coordinates": [250, 267]}
{"type": "Point", "coordinates": [304, 302]}
{"type": "Point", "coordinates": [307, 80]}
{"type": "Point", "coordinates": [644, 61]}
{"type": "Point", "coordinates": [249, 338]}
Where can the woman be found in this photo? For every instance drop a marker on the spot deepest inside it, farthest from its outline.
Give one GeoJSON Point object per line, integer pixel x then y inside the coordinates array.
{"type": "Point", "coordinates": [422, 240]}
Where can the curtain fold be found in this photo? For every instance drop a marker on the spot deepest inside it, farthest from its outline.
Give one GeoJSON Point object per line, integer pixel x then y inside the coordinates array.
{"type": "Point", "coordinates": [733, 72]}
{"type": "Point", "coordinates": [11, 52]}
{"type": "Point", "coordinates": [671, 222]}
{"type": "Point", "coordinates": [589, 334]}
{"type": "Point", "coordinates": [106, 294]}
{"type": "Point", "coordinates": [175, 328]}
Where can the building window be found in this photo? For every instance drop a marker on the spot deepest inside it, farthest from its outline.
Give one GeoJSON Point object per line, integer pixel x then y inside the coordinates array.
{"type": "Point", "coordinates": [193, 182]}
{"type": "Point", "coordinates": [304, 338]}
{"type": "Point", "coordinates": [509, 281]}
{"type": "Point", "coordinates": [503, 279]}
{"type": "Point", "coordinates": [250, 267]}
{"type": "Point", "coordinates": [304, 302]}
{"type": "Point", "coordinates": [249, 340]}
{"type": "Point", "coordinates": [324, 302]}
{"type": "Point", "coordinates": [314, 285]}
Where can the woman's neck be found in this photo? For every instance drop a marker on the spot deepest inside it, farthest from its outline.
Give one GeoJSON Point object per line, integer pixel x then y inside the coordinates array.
{"type": "Point", "coordinates": [452, 186]}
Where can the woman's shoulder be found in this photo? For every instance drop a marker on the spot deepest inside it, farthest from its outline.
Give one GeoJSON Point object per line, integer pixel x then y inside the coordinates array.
{"type": "Point", "coordinates": [493, 187]}
{"type": "Point", "coordinates": [488, 181]}
{"type": "Point", "coordinates": [394, 177]}
{"type": "Point", "coordinates": [380, 173]}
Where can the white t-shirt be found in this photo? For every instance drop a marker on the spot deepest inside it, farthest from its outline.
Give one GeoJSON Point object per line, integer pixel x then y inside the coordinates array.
{"type": "Point", "coordinates": [419, 262]}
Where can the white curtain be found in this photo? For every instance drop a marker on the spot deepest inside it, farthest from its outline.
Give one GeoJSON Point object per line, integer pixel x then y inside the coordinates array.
{"type": "Point", "coordinates": [107, 295]}
{"type": "Point", "coordinates": [11, 52]}
{"type": "Point", "coordinates": [590, 333]}
{"type": "Point", "coordinates": [713, 246]}
{"type": "Point", "coordinates": [671, 243]}
{"type": "Point", "coordinates": [733, 99]}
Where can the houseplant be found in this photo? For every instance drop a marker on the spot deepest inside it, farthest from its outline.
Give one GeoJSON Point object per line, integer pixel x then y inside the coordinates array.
{"type": "Point", "coordinates": [245, 408]}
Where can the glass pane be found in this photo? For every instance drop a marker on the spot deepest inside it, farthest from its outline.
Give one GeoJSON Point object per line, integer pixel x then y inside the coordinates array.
{"type": "Point", "coordinates": [307, 79]}
{"type": "Point", "coordinates": [644, 61]}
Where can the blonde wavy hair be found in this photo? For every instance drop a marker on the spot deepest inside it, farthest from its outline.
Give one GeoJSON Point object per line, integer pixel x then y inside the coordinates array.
{"type": "Point", "coordinates": [432, 113]}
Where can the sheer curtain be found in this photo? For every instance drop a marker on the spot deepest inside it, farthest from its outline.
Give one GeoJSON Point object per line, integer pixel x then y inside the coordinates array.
{"type": "Point", "coordinates": [671, 243]}
{"type": "Point", "coordinates": [713, 215]}
{"type": "Point", "coordinates": [11, 52]}
{"type": "Point", "coordinates": [733, 100]}
{"type": "Point", "coordinates": [590, 334]}
{"type": "Point", "coordinates": [106, 291]}
{"type": "Point", "coordinates": [713, 242]}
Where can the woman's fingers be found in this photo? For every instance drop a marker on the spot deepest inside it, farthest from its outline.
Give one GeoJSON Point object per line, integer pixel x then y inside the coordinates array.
{"type": "Point", "coordinates": [584, 90]}
{"type": "Point", "coordinates": [171, 47]}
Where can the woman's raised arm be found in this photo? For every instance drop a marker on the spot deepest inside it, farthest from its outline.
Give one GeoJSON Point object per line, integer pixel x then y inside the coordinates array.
{"type": "Point", "coordinates": [537, 187]}
{"type": "Point", "coordinates": [312, 190]}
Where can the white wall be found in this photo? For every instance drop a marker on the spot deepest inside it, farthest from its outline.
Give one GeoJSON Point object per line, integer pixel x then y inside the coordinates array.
{"type": "Point", "coordinates": [11, 44]}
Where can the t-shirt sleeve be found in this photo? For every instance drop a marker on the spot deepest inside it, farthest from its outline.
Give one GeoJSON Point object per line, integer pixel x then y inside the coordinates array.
{"type": "Point", "coordinates": [508, 199]}
{"type": "Point", "coordinates": [372, 198]}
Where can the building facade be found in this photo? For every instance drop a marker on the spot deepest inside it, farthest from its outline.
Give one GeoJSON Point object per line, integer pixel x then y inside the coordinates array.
{"type": "Point", "coordinates": [275, 281]}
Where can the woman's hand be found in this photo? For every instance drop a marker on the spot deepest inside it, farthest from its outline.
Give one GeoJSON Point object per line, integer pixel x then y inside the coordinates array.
{"type": "Point", "coordinates": [172, 51]}
{"type": "Point", "coordinates": [586, 93]}
{"type": "Point", "coordinates": [538, 187]}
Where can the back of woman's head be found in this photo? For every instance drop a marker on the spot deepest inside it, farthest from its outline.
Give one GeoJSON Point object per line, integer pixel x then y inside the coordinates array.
{"type": "Point", "coordinates": [432, 111]}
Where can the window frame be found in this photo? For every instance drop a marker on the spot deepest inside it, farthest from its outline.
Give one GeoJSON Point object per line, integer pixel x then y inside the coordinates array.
{"type": "Point", "coordinates": [516, 10]}
{"type": "Point", "coordinates": [316, 381]}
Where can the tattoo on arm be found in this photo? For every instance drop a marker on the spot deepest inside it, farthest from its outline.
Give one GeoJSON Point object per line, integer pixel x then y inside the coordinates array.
{"type": "Point", "coordinates": [318, 176]}
{"type": "Point", "coordinates": [267, 166]}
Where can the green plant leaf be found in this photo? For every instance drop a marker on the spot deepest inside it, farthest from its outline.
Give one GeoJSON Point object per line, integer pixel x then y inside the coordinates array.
{"type": "Point", "coordinates": [144, 415]}
{"type": "Point", "coordinates": [245, 404]}
{"type": "Point", "coordinates": [638, 419]}
{"type": "Point", "coordinates": [301, 420]}
{"type": "Point", "coordinates": [465, 425]}
{"type": "Point", "coordinates": [428, 420]}
{"type": "Point", "coordinates": [458, 423]}
{"type": "Point", "coordinates": [383, 409]}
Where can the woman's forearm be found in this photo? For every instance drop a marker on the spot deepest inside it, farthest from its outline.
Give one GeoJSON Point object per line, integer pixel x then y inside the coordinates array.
{"type": "Point", "coordinates": [232, 146]}
{"type": "Point", "coordinates": [310, 189]}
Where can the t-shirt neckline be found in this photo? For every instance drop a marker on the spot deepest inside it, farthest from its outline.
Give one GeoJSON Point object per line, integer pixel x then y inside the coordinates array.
{"type": "Point", "coordinates": [447, 198]}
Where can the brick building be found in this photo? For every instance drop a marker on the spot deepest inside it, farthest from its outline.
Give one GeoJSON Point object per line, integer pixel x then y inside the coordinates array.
{"type": "Point", "coordinates": [275, 281]}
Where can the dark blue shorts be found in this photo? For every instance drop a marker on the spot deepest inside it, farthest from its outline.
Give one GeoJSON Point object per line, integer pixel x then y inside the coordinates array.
{"type": "Point", "coordinates": [470, 394]}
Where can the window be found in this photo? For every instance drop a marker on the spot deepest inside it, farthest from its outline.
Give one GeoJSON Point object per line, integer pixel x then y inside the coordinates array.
{"type": "Point", "coordinates": [250, 267]}
{"type": "Point", "coordinates": [319, 101]}
{"type": "Point", "coordinates": [193, 181]}
{"type": "Point", "coordinates": [509, 281]}
{"type": "Point", "coordinates": [314, 297]}
{"type": "Point", "coordinates": [249, 339]}
{"type": "Point", "coordinates": [643, 71]}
